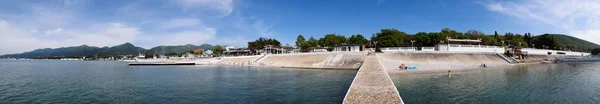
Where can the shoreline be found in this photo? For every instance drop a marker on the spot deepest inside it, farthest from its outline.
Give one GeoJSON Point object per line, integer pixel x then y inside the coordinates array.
{"type": "Point", "coordinates": [438, 71]}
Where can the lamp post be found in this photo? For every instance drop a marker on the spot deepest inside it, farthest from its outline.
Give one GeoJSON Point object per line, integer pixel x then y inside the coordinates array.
{"type": "Point", "coordinates": [375, 42]}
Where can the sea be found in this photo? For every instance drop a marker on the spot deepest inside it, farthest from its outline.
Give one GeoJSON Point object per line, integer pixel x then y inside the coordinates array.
{"type": "Point", "coordinates": [76, 82]}
{"type": "Point", "coordinates": [54, 81]}
{"type": "Point", "coordinates": [562, 83]}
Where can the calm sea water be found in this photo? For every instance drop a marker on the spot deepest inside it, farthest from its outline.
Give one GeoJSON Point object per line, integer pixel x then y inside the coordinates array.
{"type": "Point", "coordinates": [566, 83]}
{"type": "Point", "coordinates": [43, 81]}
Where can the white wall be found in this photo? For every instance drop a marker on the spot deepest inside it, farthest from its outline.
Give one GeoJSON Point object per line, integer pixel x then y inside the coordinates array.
{"type": "Point", "coordinates": [531, 51]}
{"type": "Point", "coordinates": [475, 48]}
{"type": "Point", "coordinates": [388, 49]}
{"type": "Point", "coordinates": [427, 48]}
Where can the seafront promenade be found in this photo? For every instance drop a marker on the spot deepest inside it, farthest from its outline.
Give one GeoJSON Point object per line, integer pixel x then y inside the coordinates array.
{"type": "Point", "coordinates": [372, 85]}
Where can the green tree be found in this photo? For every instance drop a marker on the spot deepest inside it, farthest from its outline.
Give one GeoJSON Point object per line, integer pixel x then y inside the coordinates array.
{"type": "Point", "coordinates": [218, 50]}
{"type": "Point", "coordinates": [528, 38]}
{"type": "Point", "coordinates": [546, 41]}
{"type": "Point", "coordinates": [331, 40]}
{"type": "Point", "coordinates": [596, 51]}
{"type": "Point", "coordinates": [452, 33]}
{"type": "Point", "coordinates": [312, 42]}
{"type": "Point", "coordinates": [260, 43]}
{"type": "Point", "coordinates": [486, 40]}
{"type": "Point", "coordinates": [423, 38]}
{"type": "Point", "coordinates": [474, 34]}
{"type": "Point", "coordinates": [149, 55]}
{"type": "Point", "coordinates": [390, 38]}
{"type": "Point", "coordinates": [171, 54]}
{"type": "Point", "coordinates": [357, 39]}
{"type": "Point", "coordinates": [498, 38]}
{"type": "Point", "coordinates": [300, 40]}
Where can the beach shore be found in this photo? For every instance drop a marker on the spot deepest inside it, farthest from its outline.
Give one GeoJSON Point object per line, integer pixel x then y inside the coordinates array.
{"type": "Point", "coordinates": [442, 62]}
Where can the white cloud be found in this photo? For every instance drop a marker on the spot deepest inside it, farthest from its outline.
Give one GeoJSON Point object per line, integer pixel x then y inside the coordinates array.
{"type": "Point", "coordinates": [579, 18]}
{"type": "Point", "coordinates": [495, 7]}
{"type": "Point", "coordinates": [63, 23]}
{"type": "Point", "coordinates": [233, 41]}
{"type": "Point", "coordinates": [190, 37]}
{"type": "Point", "coordinates": [53, 31]}
{"type": "Point", "coordinates": [180, 22]}
{"type": "Point", "coordinates": [262, 29]}
{"type": "Point", "coordinates": [18, 39]}
{"type": "Point", "coordinates": [225, 7]}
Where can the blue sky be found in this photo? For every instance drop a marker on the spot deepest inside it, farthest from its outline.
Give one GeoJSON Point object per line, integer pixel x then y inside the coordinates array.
{"type": "Point", "coordinates": [31, 24]}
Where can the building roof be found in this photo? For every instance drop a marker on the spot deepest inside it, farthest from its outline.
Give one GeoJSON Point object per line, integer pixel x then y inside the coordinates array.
{"type": "Point", "coordinates": [198, 50]}
{"type": "Point", "coordinates": [464, 40]}
{"type": "Point", "coordinates": [348, 45]}
{"type": "Point", "coordinates": [237, 51]}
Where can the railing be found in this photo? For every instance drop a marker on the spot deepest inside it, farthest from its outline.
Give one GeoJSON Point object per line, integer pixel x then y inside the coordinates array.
{"type": "Point", "coordinates": [506, 58]}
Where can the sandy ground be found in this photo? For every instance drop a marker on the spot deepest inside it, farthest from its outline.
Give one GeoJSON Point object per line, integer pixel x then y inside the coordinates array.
{"type": "Point", "coordinates": [245, 60]}
{"type": "Point", "coordinates": [438, 62]}
{"type": "Point", "coordinates": [294, 61]}
{"type": "Point", "coordinates": [325, 61]}
{"type": "Point", "coordinates": [348, 60]}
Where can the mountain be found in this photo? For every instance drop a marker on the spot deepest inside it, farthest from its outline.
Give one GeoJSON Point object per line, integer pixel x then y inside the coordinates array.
{"type": "Point", "coordinates": [80, 51]}
{"type": "Point", "coordinates": [178, 49]}
{"type": "Point", "coordinates": [91, 51]}
{"type": "Point", "coordinates": [123, 49]}
{"type": "Point", "coordinates": [573, 42]}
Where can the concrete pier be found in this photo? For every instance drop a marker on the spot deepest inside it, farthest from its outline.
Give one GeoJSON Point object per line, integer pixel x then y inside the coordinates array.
{"type": "Point", "coordinates": [372, 85]}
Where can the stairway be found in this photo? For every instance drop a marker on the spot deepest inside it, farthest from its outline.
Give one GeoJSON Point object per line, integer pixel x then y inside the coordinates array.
{"type": "Point", "coordinates": [259, 58]}
{"type": "Point", "coordinates": [507, 59]}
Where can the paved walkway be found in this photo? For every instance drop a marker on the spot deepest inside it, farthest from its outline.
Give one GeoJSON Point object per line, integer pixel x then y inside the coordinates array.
{"type": "Point", "coordinates": [372, 85]}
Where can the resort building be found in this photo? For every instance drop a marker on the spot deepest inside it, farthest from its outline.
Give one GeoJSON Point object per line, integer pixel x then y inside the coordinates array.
{"type": "Point", "coordinates": [466, 45]}
{"type": "Point", "coordinates": [236, 51]}
{"type": "Point", "coordinates": [270, 49]}
{"type": "Point", "coordinates": [349, 47]}
{"type": "Point", "coordinates": [319, 50]}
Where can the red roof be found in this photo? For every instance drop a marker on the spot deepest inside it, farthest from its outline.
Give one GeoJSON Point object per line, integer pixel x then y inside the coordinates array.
{"type": "Point", "coordinates": [198, 50]}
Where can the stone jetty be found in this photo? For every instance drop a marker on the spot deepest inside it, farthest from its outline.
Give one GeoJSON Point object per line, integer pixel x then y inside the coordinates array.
{"type": "Point", "coordinates": [372, 85]}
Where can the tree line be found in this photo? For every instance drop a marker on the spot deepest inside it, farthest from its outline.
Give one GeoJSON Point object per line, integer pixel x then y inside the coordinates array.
{"type": "Point", "coordinates": [396, 38]}
{"type": "Point", "coordinates": [329, 40]}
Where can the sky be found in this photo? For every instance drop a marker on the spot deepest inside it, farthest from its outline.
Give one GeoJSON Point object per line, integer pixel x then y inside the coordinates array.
{"type": "Point", "coordinates": [27, 25]}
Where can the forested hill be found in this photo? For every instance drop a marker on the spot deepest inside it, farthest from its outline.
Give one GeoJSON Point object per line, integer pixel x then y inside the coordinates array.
{"type": "Point", "coordinates": [178, 49]}
{"type": "Point", "coordinates": [569, 41]}
{"type": "Point", "coordinates": [91, 51]}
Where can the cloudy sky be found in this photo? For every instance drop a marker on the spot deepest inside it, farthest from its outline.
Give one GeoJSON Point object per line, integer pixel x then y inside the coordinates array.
{"type": "Point", "coordinates": [26, 25]}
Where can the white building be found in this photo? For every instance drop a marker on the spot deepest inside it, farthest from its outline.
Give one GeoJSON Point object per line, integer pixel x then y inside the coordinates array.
{"type": "Point", "coordinates": [467, 45]}
{"type": "Point", "coordinates": [348, 47]}
{"type": "Point", "coordinates": [230, 48]}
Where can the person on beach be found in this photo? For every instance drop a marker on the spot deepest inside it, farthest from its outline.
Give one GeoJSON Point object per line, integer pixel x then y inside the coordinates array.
{"type": "Point", "coordinates": [449, 74]}
{"type": "Point", "coordinates": [402, 67]}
